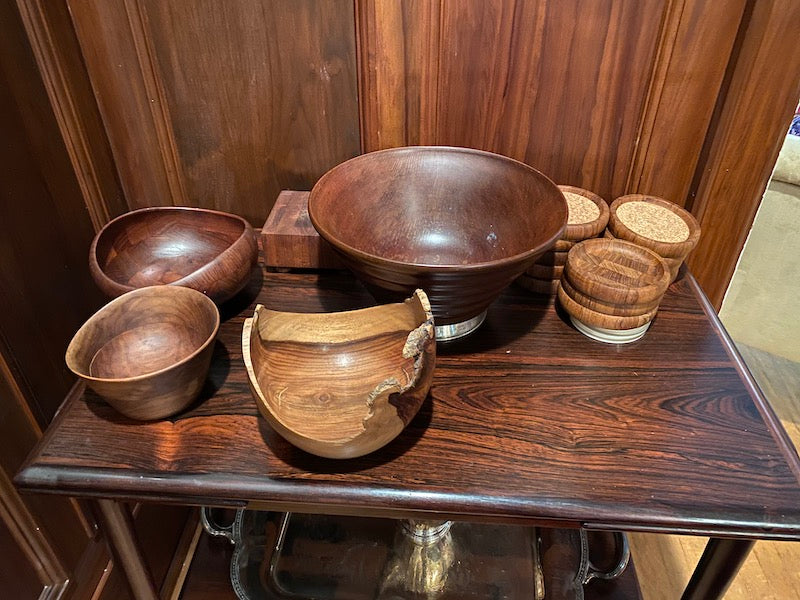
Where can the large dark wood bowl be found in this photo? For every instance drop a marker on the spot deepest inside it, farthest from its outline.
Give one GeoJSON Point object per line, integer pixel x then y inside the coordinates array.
{"type": "Point", "coordinates": [342, 384]}
{"type": "Point", "coordinates": [147, 352]}
{"type": "Point", "coordinates": [210, 251]}
{"type": "Point", "coordinates": [459, 223]}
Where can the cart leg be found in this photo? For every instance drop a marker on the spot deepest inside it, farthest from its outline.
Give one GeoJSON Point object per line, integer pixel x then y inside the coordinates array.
{"type": "Point", "coordinates": [118, 527]}
{"type": "Point", "coordinates": [717, 567]}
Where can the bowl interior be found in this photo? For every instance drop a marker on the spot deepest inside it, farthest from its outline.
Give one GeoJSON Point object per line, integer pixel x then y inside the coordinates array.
{"type": "Point", "coordinates": [321, 374]}
{"type": "Point", "coordinates": [143, 332]}
{"type": "Point", "coordinates": [437, 206]}
{"type": "Point", "coordinates": [161, 246]}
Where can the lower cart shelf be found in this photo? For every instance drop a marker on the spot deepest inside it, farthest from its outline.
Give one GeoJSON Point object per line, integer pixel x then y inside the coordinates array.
{"type": "Point", "coordinates": [281, 556]}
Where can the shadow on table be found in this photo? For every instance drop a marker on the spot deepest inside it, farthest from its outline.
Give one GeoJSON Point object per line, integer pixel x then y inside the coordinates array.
{"type": "Point", "coordinates": [301, 460]}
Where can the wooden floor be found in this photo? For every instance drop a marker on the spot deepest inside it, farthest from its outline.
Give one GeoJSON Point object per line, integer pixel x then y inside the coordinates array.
{"type": "Point", "coordinates": [772, 571]}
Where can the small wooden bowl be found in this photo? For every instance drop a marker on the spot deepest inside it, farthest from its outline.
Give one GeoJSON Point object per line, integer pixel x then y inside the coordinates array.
{"type": "Point", "coordinates": [341, 385]}
{"type": "Point", "coordinates": [147, 352]}
{"type": "Point", "coordinates": [578, 231]}
{"type": "Point", "coordinates": [210, 251]}
{"type": "Point", "coordinates": [674, 251]}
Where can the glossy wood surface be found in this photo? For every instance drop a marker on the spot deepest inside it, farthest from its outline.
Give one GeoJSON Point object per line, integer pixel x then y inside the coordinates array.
{"type": "Point", "coordinates": [222, 106]}
{"type": "Point", "coordinates": [460, 224]}
{"type": "Point", "coordinates": [527, 421]}
{"type": "Point", "coordinates": [342, 384]}
{"type": "Point", "coordinates": [147, 352]}
{"type": "Point", "coordinates": [206, 250]}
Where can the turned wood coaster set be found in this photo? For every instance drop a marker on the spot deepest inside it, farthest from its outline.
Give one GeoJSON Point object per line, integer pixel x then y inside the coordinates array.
{"type": "Point", "coordinates": [611, 287]}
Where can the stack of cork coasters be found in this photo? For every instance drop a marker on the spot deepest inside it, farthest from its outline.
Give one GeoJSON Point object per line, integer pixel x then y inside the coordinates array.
{"type": "Point", "coordinates": [588, 216]}
{"type": "Point", "coordinates": [611, 289]}
{"type": "Point", "coordinates": [654, 223]}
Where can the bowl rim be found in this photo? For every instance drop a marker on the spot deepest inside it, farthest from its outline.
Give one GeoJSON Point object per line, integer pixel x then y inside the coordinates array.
{"type": "Point", "coordinates": [124, 298]}
{"type": "Point", "coordinates": [437, 268]}
{"type": "Point", "coordinates": [121, 288]}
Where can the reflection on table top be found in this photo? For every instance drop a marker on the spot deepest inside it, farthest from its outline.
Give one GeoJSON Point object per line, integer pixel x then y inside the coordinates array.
{"type": "Point", "coordinates": [527, 421]}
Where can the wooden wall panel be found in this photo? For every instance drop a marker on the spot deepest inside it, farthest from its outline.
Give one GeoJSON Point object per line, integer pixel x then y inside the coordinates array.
{"type": "Point", "coordinates": [223, 105]}
{"type": "Point", "coordinates": [45, 294]}
{"type": "Point", "coordinates": [754, 116]}
{"type": "Point", "coordinates": [111, 41]}
{"type": "Point", "coordinates": [559, 85]}
{"type": "Point", "coordinates": [53, 41]}
{"type": "Point", "coordinates": [684, 87]}
{"type": "Point", "coordinates": [398, 49]}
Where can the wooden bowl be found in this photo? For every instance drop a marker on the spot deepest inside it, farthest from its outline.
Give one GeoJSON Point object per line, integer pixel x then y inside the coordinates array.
{"type": "Point", "coordinates": [459, 223]}
{"type": "Point", "coordinates": [206, 250]}
{"type": "Point", "coordinates": [341, 385]}
{"type": "Point", "coordinates": [147, 352]}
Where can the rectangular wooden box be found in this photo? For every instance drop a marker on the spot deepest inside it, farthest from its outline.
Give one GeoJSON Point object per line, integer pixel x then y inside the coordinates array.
{"type": "Point", "coordinates": [290, 240]}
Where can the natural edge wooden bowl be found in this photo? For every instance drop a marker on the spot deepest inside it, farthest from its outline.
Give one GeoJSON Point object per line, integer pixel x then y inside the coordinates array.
{"type": "Point", "coordinates": [582, 231]}
{"type": "Point", "coordinates": [459, 223]}
{"type": "Point", "coordinates": [341, 385]}
{"type": "Point", "coordinates": [147, 352]}
{"type": "Point", "coordinates": [207, 250]}
{"type": "Point", "coordinates": [674, 250]}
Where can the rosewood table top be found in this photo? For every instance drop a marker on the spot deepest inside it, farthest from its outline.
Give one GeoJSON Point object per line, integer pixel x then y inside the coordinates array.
{"type": "Point", "coordinates": [527, 422]}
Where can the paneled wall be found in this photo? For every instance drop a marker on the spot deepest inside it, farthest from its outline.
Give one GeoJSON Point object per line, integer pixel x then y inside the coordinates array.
{"type": "Point", "coordinates": [613, 96]}
{"type": "Point", "coordinates": [222, 104]}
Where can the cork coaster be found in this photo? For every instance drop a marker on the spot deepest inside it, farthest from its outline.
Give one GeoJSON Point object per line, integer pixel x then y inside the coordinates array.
{"type": "Point", "coordinates": [588, 213]}
{"type": "Point", "coordinates": [653, 221]}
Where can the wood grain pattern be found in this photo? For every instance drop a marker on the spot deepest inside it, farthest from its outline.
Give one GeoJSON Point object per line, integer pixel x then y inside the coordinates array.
{"type": "Point", "coordinates": [739, 161]}
{"type": "Point", "coordinates": [672, 414]}
{"type": "Point", "coordinates": [398, 77]}
{"type": "Point", "coordinates": [531, 80]}
{"type": "Point", "coordinates": [684, 87]}
{"type": "Point", "coordinates": [147, 352]}
{"type": "Point", "coordinates": [577, 231]}
{"type": "Point", "coordinates": [459, 224]}
{"type": "Point", "coordinates": [617, 272]}
{"type": "Point", "coordinates": [232, 103]}
{"type": "Point", "coordinates": [344, 384]}
{"type": "Point", "coordinates": [206, 250]}
{"type": "Point", "coordinates": [289, 240]}
{"type": "Point", "coordinates": [133, 119]}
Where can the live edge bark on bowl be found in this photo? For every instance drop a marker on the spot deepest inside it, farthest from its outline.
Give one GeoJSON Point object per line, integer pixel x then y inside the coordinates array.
{"type": "Point", "coordinates": [207, 250]}
{"type": "Point", "coordinates": [655, 223]}
{"type": "Point", "coordinates": [460, 224]}
{"type": "Point", "coordinates": [147, 352]}
{"type": "Point", "coordinates": [341, 384]}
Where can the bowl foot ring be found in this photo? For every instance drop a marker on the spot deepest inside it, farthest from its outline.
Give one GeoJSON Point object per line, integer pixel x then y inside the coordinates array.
{"type": "Point", "coordinates": [454, 331]}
